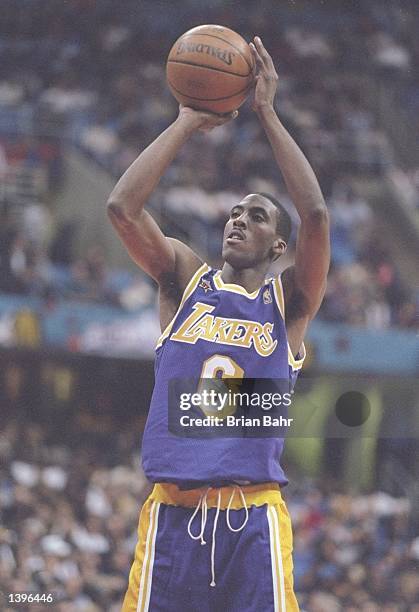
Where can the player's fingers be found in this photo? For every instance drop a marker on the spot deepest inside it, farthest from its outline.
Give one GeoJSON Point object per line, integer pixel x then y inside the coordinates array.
{"type": "Point", "coordinates": [266, 58]}
{"type": "Point", "coordinates": [261, 48]}
{"type": "Point", "coordinates": [259, 61]}
{"type": "Point", "coordinates": [266, 64]}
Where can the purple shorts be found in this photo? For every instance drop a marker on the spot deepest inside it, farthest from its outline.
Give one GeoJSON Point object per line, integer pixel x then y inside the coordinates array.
{"type": "Point", "coordinates": [214, 549]}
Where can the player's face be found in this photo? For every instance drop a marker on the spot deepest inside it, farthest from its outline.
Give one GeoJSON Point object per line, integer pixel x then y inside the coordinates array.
{"type": "Point", "coordinates": [250, 234]}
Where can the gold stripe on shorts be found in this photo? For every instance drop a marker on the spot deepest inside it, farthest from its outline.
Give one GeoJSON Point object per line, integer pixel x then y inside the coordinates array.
{"type": "Point", "coordinates": [147, 568]}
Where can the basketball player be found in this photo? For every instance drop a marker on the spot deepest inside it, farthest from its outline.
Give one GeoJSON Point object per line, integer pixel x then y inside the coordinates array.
{"type": "Point", "coordinates": [215, 533]}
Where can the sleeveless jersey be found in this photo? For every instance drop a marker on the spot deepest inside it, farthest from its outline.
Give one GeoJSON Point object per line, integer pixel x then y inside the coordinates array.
{"type": "Point", "coordinates": [218, 325]}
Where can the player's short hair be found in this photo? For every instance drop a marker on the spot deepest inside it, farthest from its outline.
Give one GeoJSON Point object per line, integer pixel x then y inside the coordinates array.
{"type": "Point", "coordinates": [283, 225]}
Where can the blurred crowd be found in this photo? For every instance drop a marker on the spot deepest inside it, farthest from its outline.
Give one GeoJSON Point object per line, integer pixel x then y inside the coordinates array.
{"type": "Point", "coordinates": [68, 516]}
{"type": "Point", "coordinates": [354, 552]}
{"type": "Point", "coordinates": [96, 72]}
{"type": "Point", "coordinates": [69, 509]}
{"type": "Point", "coordinates": [364, 283]}
{"type": "Point", "coordinates": [37, 259]}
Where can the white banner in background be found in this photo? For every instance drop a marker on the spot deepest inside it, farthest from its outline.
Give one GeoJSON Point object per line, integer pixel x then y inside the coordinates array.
{"type": "Point", "coordinates": [136, 336]}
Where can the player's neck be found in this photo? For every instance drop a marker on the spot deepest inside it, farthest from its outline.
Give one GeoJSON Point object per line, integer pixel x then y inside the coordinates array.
{"type": "Point", "coordinates": [249, 278]}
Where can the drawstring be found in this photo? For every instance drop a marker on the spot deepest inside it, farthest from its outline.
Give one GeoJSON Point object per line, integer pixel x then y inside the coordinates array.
{"type": "Point", "coordinates": [203, 506]}
{"type": "Point", "coordinates": [212, 583]}
{"type": "Point", "coordinates": [202, 501]}
{"type": "Point", "coordinates": [245, 508]}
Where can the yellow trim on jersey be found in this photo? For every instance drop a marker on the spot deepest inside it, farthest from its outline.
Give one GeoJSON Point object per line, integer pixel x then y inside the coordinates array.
{"type": "Point", "coordinates": [190, 288]}
{"type": "Point", "coordinates": [222, 286]}
{"type": "Point", "coordinates": [279, 295]}
{"type": "Point", "coordinates": [295, 362]}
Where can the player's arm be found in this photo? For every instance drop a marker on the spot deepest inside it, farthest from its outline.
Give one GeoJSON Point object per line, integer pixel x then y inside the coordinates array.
{"type": "Point", "coordinates": [305, 282]}
{"type": "Point", "coordinates": [170, 262]}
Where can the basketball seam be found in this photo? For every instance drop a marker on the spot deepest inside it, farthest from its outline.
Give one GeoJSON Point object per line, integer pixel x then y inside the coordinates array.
{"type": "Point", "coordinates": [209, 99]}
{"type": "Point", "coordinates": [224, 40]}
{"type": "Point", "coordinates": [244, 76]}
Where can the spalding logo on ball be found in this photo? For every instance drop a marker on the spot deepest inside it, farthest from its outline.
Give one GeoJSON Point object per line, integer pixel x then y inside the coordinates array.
{"type": "Point", "coordinates": [211, 68]}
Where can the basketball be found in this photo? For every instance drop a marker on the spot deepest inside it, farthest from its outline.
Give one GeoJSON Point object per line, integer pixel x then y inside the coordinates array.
{"type": "Point", "coordinates": [210, 68]}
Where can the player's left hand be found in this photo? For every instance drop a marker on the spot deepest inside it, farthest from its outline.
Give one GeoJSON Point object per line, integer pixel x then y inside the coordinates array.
{"type": "Point", "coordinates": [266, 78]}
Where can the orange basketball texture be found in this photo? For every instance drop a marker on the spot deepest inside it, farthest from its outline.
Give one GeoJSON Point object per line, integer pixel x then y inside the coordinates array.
{"type": "Point", "coordinates": [210, 68]}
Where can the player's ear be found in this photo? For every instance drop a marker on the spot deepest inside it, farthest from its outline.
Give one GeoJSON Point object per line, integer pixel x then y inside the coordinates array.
{"type": "Point", "coordinates": [278, 248]}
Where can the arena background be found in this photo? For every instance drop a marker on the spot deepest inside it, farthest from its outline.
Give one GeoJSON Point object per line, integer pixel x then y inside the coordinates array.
{"type": "Point", "coordinates": [82, 91]}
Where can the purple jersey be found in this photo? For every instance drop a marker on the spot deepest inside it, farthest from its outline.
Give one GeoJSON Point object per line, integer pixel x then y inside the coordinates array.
{"type": "Point", "coordinates": [218, 327]}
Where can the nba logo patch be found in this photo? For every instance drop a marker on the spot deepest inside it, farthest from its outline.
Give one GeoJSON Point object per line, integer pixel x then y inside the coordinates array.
{"type": "Point", "coordinates": [267, 298]}
{"type": "Point", "coordinates": [205, 285]}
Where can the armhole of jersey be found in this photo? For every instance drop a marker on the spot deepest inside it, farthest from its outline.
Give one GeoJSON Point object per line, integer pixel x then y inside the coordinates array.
{"type": "Point", "coordinates": [294, 362]}
{"type": "Point", "coordinates": [190, 288]}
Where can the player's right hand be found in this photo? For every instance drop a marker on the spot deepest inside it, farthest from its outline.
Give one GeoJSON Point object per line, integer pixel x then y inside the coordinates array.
{"type": "Point", "coordinates": [202, 120]}
{"type": "Point", "coordinates": [266, 80]}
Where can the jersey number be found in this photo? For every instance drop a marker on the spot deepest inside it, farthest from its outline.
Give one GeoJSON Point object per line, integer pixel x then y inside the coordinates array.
{"type": "Point", "coordinates": [217, 369]}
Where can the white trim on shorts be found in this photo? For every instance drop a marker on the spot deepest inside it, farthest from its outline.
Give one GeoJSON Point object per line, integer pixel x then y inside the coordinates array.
{"type": "Point", "coordinates": [278, 582]}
